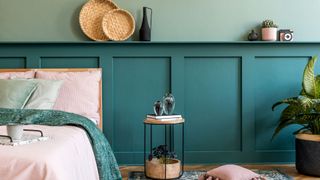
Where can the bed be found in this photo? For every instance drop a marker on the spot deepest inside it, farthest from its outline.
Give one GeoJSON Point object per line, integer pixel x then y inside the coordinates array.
{"type": "Point", "coordinates": [76, 147]}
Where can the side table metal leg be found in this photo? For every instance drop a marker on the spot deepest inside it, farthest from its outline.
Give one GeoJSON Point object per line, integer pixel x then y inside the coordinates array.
{"type": "Point", "coordinates": [182, 148]}
{"type": "Point", "coordinates": [150, 139]}
{"type": "Point", "coordinates": [172, 138]}
{"type": "Point", "coordinates": [144, 148]}
{"type": "Point", "coordinates": [165, 155]}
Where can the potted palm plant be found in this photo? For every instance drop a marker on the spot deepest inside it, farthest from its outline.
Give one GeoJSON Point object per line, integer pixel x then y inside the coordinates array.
{"type": "Point", "coordinates": [163, 164]}
{"type": "Point", "coordinates": [304, 110]}
{"type": "Point", "coordinates": [269, 30]}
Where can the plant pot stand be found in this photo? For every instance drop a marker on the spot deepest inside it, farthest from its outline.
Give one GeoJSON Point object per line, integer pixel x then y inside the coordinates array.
{"type": "Point", "coordinates": [163, 171]}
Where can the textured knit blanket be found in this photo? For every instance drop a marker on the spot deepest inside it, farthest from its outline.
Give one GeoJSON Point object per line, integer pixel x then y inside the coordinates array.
{"type": "Point", "coordinates": [106, 162]}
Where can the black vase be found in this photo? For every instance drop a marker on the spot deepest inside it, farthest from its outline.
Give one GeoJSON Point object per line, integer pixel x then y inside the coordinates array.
{"type": "Point", "coordinates": [308, 157]}
{"type": "Point", "coordinates": [253, 36]}
{"type": "Point", "coordinates": [145, 30]}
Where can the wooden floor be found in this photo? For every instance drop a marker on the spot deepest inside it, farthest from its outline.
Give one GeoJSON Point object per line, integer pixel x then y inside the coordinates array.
{"type": "Point", "coordinates": [288, 169]}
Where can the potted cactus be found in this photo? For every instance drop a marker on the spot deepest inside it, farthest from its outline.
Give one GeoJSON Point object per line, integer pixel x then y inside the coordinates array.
{"type": "Point", "coordinates": [269, 30]}
{"type": "Point", "coordinates": [163, 164]}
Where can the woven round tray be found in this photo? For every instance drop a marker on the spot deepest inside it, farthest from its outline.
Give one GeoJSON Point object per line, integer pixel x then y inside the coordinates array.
{"type": "Point", "coordinates": [91, 16]}
{"type": "Point", "coordinates": [118, 24]}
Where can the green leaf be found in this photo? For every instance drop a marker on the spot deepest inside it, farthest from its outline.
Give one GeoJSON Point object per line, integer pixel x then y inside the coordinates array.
{"type": "Point", "coordinates": [306, 103]}
{"type": "Point", "coordinates": [292, 100]}
{"type": "Point", "coordinates": [317, 87]}
{"type": "Point", "coordinates": [309, 82]}
{"type": "Point", "coordinates": [304, 129]}
{"type": "Point", "coordinates": [290, 112]}
{"type": "Point", "coordinates": [301, 119]}
{"type": "Point", "coordinates": [317, 107]}
{"type": "Point", "coordinates": [303, 93]}
{"type": "Point", "coordinates": [287, 117]}
{"type": "Point", "coordinates": [313, 120]}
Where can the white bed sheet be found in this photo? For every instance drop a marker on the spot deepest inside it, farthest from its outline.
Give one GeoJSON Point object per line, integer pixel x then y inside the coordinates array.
{"type": "Point", "coordinates": [66, 155]}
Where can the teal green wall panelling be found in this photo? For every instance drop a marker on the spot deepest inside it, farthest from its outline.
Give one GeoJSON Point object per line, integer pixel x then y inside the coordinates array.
{"type": "Point", "coordinates": [69, 62]}
{"type": "Point", "coordinates": [178, 20]}
{"type": "Point", "coordinates": [12, 62]}
{"type": "Point", "coordinates": [212, 85]}
{"type": "Point", "coordinates": [224, 90]}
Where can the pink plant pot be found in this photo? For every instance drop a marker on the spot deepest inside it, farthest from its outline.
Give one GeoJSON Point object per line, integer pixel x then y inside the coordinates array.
{"type": "Point", "coordinates": [269, 34]}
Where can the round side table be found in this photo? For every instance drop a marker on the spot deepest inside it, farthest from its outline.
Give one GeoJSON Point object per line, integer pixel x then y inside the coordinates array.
{"type": "Point", "coordinates": [169, 141]}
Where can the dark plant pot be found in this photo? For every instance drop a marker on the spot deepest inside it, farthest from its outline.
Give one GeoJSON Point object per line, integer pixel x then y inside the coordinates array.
{"type": "Point", "coordinates": [308, 154]}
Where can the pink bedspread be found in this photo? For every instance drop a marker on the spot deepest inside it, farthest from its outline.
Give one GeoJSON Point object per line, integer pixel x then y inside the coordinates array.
{"type": "Point", "coordinates": [67, 155]}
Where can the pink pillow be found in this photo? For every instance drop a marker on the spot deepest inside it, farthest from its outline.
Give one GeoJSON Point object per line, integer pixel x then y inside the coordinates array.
{"type": "Point", "coordinates": [20, 75]}
{"type": "Point", "coordinates": [231, 172]}
{"type": "Point", "coordinates": [79, 93]}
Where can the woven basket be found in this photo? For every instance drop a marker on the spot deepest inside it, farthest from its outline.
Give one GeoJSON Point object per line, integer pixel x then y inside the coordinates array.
{"type": "Point", "coordinates": [118, 24]}
{"type": "Point", "coordinates": [91, 16]}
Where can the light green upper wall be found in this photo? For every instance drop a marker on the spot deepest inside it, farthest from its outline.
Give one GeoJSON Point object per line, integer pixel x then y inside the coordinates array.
{"type": "Point", "coordinates": [173, 20]}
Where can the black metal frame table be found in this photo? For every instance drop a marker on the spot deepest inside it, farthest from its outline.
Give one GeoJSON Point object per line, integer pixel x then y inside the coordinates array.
{"type": "Point", "coordinates": [170, 125]}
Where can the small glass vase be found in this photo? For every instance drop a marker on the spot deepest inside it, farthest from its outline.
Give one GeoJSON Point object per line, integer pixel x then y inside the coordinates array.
{"type": "Point", "coordinates": [168, 104]}
{"type": "Point", "coordinates": [158, 108]}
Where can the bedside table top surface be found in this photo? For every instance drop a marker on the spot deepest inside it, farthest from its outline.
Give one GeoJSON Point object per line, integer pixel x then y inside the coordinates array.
{"type": "Point", "coordinates": [159, 122]}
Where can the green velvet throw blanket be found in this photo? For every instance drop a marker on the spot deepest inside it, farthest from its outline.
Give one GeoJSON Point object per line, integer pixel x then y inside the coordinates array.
{"type": "Point", "coordinates": [106, 162]}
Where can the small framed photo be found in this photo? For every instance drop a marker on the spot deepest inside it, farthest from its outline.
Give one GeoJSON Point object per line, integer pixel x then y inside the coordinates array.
{"type": "Point", "coordinates": [285, 35]}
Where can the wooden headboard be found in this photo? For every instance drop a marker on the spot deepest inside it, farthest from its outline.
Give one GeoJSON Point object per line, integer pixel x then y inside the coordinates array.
{"type": "Point", "coordinates": [69, 70]}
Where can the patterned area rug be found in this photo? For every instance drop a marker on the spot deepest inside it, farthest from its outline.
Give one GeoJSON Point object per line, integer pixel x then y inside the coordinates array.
{"type": "Point", "coordinates": [193, 175]}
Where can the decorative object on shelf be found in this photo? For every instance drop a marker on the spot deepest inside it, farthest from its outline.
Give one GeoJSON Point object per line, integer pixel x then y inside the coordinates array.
{"type": "Point", "coordinates": [253, 36]}
{"type": "Point", "coordinates": [118, 24]}
{"type": "Point", "coordinates": [269, 30]}
{"type": "Point", "coordinates": [285, 35]}
{"type": "Point", "coordinates": [158, 108]}
{"type": "Point", "coordinates": [145, 30]}
{"type": "Point", "coordinates": [15, 131]}
{"type": "Point", "coordinates": [91, 16]}
{"type": "Point", "coordinates": [168, 103]}
{"type": "Point", "coordinates": [304, 110]}
{"type": "Point", "coordinates": [161, 157]}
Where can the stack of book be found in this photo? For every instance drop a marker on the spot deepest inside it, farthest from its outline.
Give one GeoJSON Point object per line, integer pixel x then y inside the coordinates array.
{"type": "Point", "coordinates": [173, 117]}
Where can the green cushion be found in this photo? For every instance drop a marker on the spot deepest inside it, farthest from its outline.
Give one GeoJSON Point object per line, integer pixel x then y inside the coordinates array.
{"type": "Point", "coordinates": [15, 93]}
{"type": "Point", "coordinates": [44, 97]}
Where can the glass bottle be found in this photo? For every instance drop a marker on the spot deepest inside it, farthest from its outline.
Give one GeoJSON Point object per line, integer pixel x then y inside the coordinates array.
{"type": "Point", "coordinates": [168, 104]}
{"type": "Point", "coordinates": [158, 108]}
